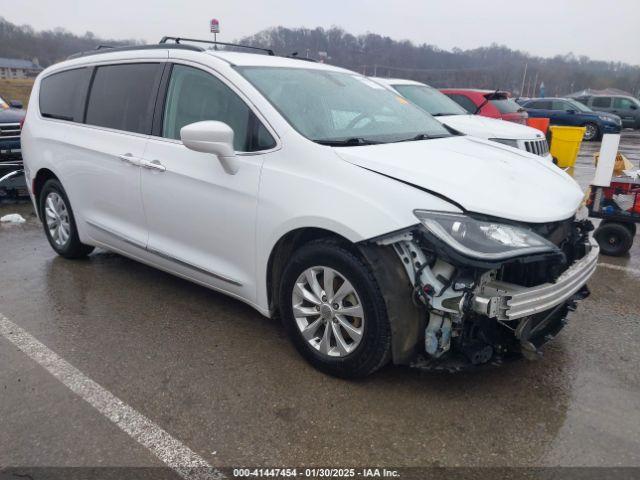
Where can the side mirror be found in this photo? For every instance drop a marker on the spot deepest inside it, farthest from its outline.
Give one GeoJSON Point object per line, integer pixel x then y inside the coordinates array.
{"type": "Point", "coordinates": [571, 111]}
{"type": "Point", "coordinates": [15, 104]}
{"type": "Point", "coordinates": [213, 137]}
{"type": "Point", "coordinates": [633, 107]}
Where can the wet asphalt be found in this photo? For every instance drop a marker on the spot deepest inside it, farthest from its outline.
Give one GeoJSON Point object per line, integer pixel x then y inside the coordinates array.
{"type": "Point", "coordinates": [226, 382]}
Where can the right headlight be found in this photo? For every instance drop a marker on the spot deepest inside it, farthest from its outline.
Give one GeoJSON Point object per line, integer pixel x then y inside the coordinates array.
{"type": "Point", "coordinates": [484, 240]}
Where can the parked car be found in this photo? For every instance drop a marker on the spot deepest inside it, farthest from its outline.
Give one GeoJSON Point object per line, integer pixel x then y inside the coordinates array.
{"type": "Point", "coordinates": [11, 180]}
{"type": "Point", "coordinates": [627, 108]}
{"type": "Point", "coordinates": [488, 103]}
{"type": "Point", "coordinates": [454, 116]}
{"type": "Point", "coordinates": [11, 115]}
{"type": "Point", "coordinates": [565, 111]}
{"type": "Point", "coordinates": [312, 194]}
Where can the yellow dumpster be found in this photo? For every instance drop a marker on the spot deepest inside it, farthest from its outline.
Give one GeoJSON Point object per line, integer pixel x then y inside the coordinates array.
{"type": "Point", "coordinates": [565, 144]}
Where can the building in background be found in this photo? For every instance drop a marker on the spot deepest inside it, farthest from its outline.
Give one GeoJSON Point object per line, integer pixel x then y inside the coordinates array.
{"type": "Point", "coordinates": [18, 68]}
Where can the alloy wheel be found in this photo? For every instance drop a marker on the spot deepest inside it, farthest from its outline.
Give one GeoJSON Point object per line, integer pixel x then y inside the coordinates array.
{"type": "Point", "coordinates": [57, 218]}
{"type": "Point", "coordinates": [590, 132]}
{"type": "Point", "coordinates": [328, 311]}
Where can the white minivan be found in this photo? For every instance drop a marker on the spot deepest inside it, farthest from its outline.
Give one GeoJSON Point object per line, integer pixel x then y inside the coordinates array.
{"type": "Point", "coordinates": [453, 115]}
{"type": "Point", "coordinates": [312, 194]}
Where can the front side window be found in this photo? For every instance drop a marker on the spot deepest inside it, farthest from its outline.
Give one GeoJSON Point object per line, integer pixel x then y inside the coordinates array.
{"type": "Point", "coordinates": [195, 95]}
{"type": "Point", "coordinates": [341, 108]}
{"type": "Point", "coordinates": [601, 102]}
{"type": "Point", "coordinates": [122, 96]}
{"type": "Point", "coordinates": [62, 94]}
{"type": "Point", "coordinates": [560, 105]}
{"type": "Point", "coordinates": [623, 103]}
{"type": "Point", "coordinates": [430, 100]}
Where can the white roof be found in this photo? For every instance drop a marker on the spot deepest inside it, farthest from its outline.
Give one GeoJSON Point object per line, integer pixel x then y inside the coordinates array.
{"type": "Point", "coordinates": [397, 81]}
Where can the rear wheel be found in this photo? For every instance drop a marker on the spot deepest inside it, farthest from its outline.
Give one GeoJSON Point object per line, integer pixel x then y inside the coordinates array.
{"type": "Point", "coordinates": [333, 310]}
{"type": "Point", "coordinates": [59, 222]}
{"type": "Point", "coordinates": [615, 239]}
{"type": "Point", "coordinates": [592, 132]}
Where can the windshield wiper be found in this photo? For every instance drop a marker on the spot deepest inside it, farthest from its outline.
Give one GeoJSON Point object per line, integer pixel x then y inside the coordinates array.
{"type": "Point", "coordinates": [349, 142]}
{"type": "Point", "coordinates": [421, 136]}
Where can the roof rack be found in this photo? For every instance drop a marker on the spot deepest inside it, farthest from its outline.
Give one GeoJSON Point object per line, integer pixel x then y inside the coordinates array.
{"type": "Point", "coordinates": [108, 49]}
{"type": "Point", "coordinates": [177, 41]}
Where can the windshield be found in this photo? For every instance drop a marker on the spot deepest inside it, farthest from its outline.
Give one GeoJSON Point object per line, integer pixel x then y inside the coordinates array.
{"type": "Point", "coordinates": [332, 107]}
{"type": "Point", "coordinates": [578, 106]}
{"type": "Point", "coordinates": [430, 100]}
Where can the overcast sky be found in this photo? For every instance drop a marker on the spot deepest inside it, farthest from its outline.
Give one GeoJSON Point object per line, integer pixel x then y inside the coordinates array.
{"type": "Point", "coordinates": [601, 29]}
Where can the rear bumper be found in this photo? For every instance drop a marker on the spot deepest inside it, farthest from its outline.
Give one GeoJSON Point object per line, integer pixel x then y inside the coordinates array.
{"type": "Point", "coordinates": [506, 301]}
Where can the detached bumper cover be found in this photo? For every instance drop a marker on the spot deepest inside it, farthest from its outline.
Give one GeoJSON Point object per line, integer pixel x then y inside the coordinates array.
{"type": "Point", "coordinates": [506, 301]}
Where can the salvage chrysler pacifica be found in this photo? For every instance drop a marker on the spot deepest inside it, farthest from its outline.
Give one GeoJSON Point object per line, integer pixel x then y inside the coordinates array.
{"type": "Point", "coordinates": [375, 233]}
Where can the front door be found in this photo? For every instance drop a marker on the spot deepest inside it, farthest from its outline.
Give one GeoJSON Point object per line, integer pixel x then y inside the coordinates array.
{"type": "Point", "coordinates": [201, 218]}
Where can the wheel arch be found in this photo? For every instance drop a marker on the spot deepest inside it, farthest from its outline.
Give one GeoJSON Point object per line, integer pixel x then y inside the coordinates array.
{"type": "Point", "coordinates": [284, 248]}
{"type": "Point", "coordinates": [39, 180]}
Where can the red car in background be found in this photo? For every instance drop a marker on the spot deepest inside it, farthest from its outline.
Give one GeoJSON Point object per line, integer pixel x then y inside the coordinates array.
{"type": "Point", "coordinates": [488, 103]}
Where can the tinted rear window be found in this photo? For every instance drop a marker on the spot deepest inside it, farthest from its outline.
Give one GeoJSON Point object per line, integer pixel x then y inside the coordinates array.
{"type": "Point", "coordinates": [62, 94]}
{"type": "Point", "coordinates": [122, 97]}
{"type": "Point", "coordinates": [506, 105]}
{"type": "Point", "coordinates": [601, 102]}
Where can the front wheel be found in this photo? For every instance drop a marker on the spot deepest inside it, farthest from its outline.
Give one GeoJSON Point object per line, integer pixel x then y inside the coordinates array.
{"type": "Point", "coordinates": [59, 222]}
{"type": "Point", "coordinates": [333, 310]}
{"type": "Point", "coordinates": [591, 132]}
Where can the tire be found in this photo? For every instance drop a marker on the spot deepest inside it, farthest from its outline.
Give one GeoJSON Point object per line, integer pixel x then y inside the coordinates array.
{"type": "Point", "coordinates": [615, 239]}
{"type": "Point", "coordinates": [352, 357]}
{"type": "Point", "coordinates": [59, 223]}
{"type": "Point", "coordinates": [592, 133]}
{"type": "Point", "coordinates": [629, 226]}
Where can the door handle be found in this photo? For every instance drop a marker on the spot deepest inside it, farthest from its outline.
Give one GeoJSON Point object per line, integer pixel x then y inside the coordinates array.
{"type": "Point", "coordinates": [153, 165]}
{"type": "Point", "coordinates": [128, 158]}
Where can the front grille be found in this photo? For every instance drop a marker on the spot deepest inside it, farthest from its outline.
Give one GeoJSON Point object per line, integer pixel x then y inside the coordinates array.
{"type": "Point", "coordinates": [537, 147]}
{"type": "Point", "coordinates": [9, 131]}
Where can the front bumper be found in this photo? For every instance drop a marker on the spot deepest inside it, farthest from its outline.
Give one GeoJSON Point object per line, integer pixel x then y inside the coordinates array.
{"type": "Point", "coordinates": [507, 301]}
{"type": "Point", "coordinates": [610, 128]}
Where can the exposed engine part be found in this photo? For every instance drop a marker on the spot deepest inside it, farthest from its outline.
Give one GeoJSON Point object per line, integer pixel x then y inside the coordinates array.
{"type": "Point", "coordinates": [437, 335]}
{"type": "Point", "coordinates": [432, 278]}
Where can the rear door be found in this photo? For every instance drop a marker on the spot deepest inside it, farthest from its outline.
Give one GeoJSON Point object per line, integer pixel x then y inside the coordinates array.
{"type": "Point", "coordinates": [107, 149]}
{"type": "Point", "coordinates": [601, 104]}
{"type": "Point", "coordinates": [200, 217]}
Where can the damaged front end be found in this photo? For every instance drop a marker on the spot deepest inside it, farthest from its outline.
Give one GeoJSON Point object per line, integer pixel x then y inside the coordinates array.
{"type": "Point", "coordinates": [480, 289]}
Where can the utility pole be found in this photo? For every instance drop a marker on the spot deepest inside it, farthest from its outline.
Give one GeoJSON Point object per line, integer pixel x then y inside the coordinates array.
{"type": "Point", "coordinates": [523, 79]}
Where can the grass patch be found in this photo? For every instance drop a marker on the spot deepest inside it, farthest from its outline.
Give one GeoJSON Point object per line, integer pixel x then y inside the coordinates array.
{"type": "Point", "coordinates": [16, 89]}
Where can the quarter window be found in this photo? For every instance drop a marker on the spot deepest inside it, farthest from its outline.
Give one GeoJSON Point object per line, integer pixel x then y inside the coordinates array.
{"type": "Point", "coordinates": [601, 102]}
{"type": "Point", "coordinates": [195, 95]}
{"type": "Point", "coordinates": [464, 101]}
{"type": "Point", "coordinates": [122, 96]}
{"type": "Point", "coordinates": [62, 94]}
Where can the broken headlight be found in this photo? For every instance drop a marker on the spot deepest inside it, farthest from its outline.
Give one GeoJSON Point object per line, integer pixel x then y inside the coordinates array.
{"type": "Point", "coordinates": [485, 240]}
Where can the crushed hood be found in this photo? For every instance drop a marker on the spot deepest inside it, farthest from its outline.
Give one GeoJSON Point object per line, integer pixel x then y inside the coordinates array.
{"type": "Point", "coordinates": [481, 176]}
{"type": "Point", "coordinates": [485, 127]}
